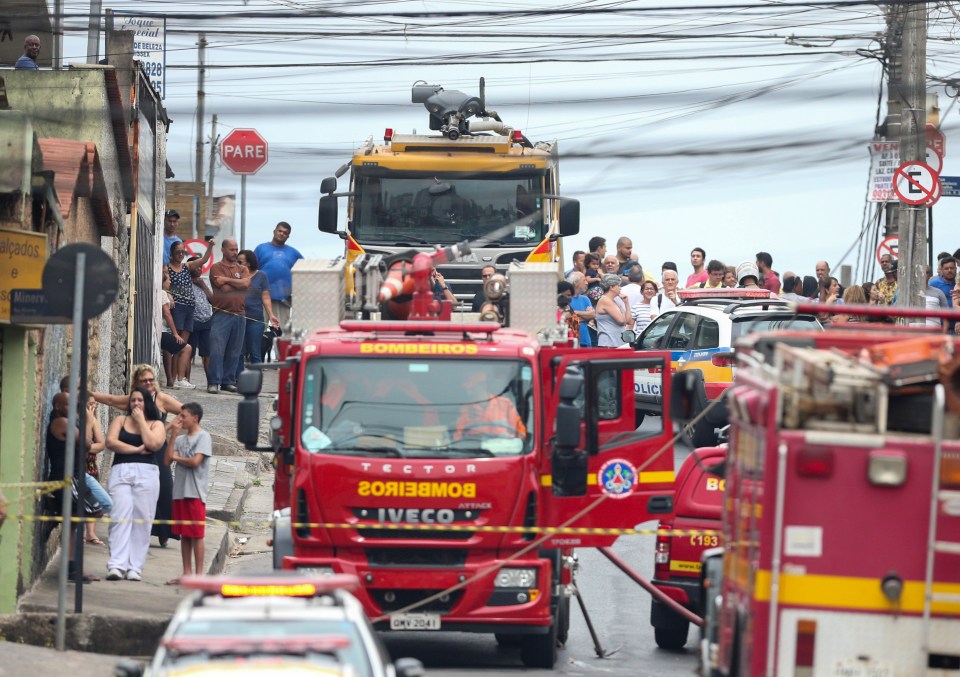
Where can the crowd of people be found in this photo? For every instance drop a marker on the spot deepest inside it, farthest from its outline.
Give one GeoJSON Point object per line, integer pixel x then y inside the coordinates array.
{"type": "Point", "coordinates": [611, 292]}
{"type": "Point", "coordinates": [223, 321]}
{"type": "Point", "coordinates": [222, 318]}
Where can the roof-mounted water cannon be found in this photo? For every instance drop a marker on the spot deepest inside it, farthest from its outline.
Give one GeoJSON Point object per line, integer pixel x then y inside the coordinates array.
{"type": "Point", "coordinates": [407, 289]}
{"type": "Point", "coordinates": [450, 111]}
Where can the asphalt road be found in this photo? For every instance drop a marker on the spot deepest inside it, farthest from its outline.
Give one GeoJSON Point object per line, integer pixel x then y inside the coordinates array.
{"type": "Point", "coordinates": [619, 610]}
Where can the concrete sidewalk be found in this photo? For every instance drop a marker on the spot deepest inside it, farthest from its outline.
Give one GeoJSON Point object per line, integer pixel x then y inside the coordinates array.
{"type": "Point", "coordinates": [126, 618]}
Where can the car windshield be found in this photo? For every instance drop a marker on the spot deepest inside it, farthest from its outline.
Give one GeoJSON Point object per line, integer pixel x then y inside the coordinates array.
{"type": "Point", "coordinates": [424, 408]}
{"type": "Point", "coordinates": [441, 209]}
{"type": "Point", "coordinates": [750, 325]}
{"type": "Point", "coordinates": [242, 629]}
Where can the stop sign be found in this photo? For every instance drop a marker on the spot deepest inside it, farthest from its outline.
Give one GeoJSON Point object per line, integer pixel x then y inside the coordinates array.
{"type": "Point", "coordinates": [244, 151]}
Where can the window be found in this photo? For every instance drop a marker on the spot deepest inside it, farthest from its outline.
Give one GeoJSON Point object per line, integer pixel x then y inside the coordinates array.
{"type": "Point", "coordinates": [682, 335]}
{"type": "Point", "coordinates": [425, 208]}
{"type": "Point", "coordinates": [708, 334]}
{"type": "Point", "coordinates": [650, 339]}
{"type": "Point", "coordinates": [747, 325]}
{"type": "Point", "coordinates": [417, 408]}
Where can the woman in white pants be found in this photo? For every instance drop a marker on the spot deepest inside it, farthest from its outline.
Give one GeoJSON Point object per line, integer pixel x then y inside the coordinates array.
{"type": "Point", "coordinates": [134, 484]}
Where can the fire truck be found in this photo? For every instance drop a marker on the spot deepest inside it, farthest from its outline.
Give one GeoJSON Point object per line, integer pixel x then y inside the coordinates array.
{"type": "Point", "coordinates": [477, 179]}
{"type": "Point", "coordinates": [841, 520]}
{"type": "Point", "coordinates": [453, 466]}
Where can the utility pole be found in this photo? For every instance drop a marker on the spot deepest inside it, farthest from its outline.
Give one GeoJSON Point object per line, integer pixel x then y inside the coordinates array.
{"type": "Point", "coordinates": [213, 158]}
{"type": "Point", "coordinates": [890, 129]}
{"type": "Point", "coordinates": [911, 273]}
{"type": "Point", "coordinates": [93, 32]}
{"type": "Point", "coordinates": [198, 169]}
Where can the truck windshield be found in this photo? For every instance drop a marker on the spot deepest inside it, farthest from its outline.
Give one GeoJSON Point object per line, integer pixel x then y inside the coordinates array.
{"type": "Point", "coordinates": [418, 408]}
{"type": "Point", "coordinates": [435, 209]}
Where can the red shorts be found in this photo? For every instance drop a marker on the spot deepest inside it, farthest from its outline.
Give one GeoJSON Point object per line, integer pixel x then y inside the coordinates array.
{"type": "Point", "coordinates": [189, 510]}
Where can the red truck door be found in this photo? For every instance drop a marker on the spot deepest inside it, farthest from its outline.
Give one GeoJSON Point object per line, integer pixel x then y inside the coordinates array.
{"type": "Point", "coordinates": [629, 468]}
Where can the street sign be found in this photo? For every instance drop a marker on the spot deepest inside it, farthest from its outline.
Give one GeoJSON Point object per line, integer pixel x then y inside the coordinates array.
{"type": "Point", "coordinates": [889, 245]}
{"type": "Point", "coordinates": [936, 140]}
{"type": "Point", "coordinates": [243, 151]}
{"type": "Point", "coordinates": [916, 183]}
{"type": "Point", "coordinates": [29, 307]}
{"type": "Point", "coordinates": [934, 159]}
{"type": "Point", "coordinates": [198, 248]}
{"type": "Point", "coordinates": [100, 273]}
{"type": "Point", "coordinates": [951, 186]}
{"type": "Point", "coordinates": [885, 158]}
{"type": "Point", "coordinates": [24, 254]}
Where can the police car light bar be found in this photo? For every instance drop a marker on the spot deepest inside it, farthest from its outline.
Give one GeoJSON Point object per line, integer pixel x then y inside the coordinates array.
{"type": "Point", "coordinates": [242, 646]}
{"type": "Point", "coordinates": [723, 293]}
{"type": "Point", "coordinates": [270, 586]}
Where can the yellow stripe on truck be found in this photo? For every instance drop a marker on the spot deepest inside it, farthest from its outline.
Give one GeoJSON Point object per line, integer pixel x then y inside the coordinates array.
{"type": "Point", "coordinates": [653, 477]}
{"type": "Point", "coordinates": [686, 567]}
{"type": "Point", "coordinates": [851, 592]}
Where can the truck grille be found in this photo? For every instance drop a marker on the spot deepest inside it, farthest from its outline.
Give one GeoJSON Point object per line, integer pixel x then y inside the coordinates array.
{"type": "Point", "coordinates": [418, 534]}
{"type": "Point", "coordinates": [416, 557]}
{"type": "Point", "coordinates": [399, 599]}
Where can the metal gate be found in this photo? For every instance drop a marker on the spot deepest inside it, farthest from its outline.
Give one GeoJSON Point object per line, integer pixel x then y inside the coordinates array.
{"type": "Point", "coordinates": [145, 292]}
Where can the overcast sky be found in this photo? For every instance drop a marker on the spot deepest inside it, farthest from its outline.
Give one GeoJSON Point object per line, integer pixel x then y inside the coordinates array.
{"type": "Point", "coordinates": [733, 127]}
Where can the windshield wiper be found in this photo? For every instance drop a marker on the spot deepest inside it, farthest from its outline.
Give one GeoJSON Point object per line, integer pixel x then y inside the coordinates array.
{"type": "Point", "coordinates": [391, 452]}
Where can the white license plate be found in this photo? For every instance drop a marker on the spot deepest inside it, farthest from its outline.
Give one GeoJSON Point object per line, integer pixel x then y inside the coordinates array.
{"type": "Point", "coordinates": [415, 622]}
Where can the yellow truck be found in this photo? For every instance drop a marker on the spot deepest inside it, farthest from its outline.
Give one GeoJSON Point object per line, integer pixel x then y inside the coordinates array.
{"type": "Point", "coordinates": [478, 180]}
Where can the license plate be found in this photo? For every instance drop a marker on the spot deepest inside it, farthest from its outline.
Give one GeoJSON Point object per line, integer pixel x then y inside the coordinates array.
{"type": "Point", "coordinates": [415, 622]}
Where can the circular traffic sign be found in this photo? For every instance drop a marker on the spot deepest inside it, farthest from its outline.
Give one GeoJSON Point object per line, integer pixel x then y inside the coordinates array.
{"type": "Point", "coordinates": [199, 248]}
{"type": "Point", "coordinates": [890, 245]}
{"type": "Point", "coordinates": [243, 151]}
{"type": "Point", "coordinates": [101, 281]}
{"type": "Point", "coordinates": [915, 183]}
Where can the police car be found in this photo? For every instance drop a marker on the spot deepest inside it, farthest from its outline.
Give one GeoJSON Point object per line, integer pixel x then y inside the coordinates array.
{"type": "Point", "coordinates": [699, 333]}
{"type": "Point", "coordinates": [289, 623]}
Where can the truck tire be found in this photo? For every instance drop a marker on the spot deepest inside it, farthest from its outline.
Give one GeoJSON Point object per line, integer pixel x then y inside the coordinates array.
{"type": "Point", "coordinates": [563, 619]}
{"type": "Point", "coordinates": [540, 651]}
{"type": "Point", "coordinates": [282, 540]}
{"type": "Point", "coordinates": [672, 638]}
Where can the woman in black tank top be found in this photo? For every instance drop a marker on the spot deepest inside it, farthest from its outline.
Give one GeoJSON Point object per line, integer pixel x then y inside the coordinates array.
{"type": "Point", "coordinates": [134, 484]}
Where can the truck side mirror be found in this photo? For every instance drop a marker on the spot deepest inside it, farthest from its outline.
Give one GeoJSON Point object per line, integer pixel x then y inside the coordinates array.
{"type": "Point", "coordinates": [569, 464]}
{"type": "Point", "coordinates": [328, 185]}
{"type": "Point", "coordinates": [248, 410]}
{"type": "Point", "coordinates": [683, 396]}
{"type": "Point", "coordinates": [628, 336]}
{"type": "Point", "coordinates": [327, 216]}
{"type": "Point", "coordinates": [569, 217]}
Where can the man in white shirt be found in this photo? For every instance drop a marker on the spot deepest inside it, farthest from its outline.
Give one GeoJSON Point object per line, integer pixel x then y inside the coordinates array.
{"type": "Point", "coordinates": [667, 298]}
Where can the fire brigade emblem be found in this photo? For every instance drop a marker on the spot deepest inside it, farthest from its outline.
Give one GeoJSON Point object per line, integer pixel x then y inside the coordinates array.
{"type": "Point", "coordinates": [617, 478]}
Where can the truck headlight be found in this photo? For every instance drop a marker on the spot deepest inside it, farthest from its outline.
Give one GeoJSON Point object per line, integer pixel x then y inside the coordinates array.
{"type": "Point", "coordinates": [516, 578]}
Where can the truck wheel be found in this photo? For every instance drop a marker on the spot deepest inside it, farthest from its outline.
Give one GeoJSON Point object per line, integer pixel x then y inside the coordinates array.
{"type": "Point", "coordinates": [282, 541]}
{"type": "Point", "coordinates": [506, 639]}
{"type": "Point", "coordinates": [540, 651]}
{"type": "Point", "coordinates": [672, 638]}
{"type": "Point", "coordinates": [563, 619]}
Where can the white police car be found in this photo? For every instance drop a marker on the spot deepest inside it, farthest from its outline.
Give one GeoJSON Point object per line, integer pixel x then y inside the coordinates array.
{"type": "Point", "coordinates": [273, 624]}
{"type": "Point", "coordinates": [699, 333]}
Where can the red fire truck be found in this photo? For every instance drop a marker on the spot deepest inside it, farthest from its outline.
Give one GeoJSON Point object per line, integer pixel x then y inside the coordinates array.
{"type": "Point", "coordinates": [841, 522]}
{"type": "Point", "coordinates": [432, 458]}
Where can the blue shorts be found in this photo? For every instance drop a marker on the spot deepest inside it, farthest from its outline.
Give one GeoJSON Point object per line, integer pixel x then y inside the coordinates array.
{"type": "Point", "coordinates": [183, 317]}
{"type": "Point", "coordinates": [200, 338]}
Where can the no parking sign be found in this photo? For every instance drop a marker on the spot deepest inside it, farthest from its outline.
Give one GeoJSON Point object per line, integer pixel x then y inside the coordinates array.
{"type": "Point", "coordinates": [889, 245]}
{"type": "Point", "coordinates": [198, 248]}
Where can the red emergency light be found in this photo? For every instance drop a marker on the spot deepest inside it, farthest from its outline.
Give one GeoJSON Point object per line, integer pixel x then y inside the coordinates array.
{"type": "Point", "coordinates": [388, 135]}
{"type": "Point", "coordinates": [517, 136]}
{"type": "Point", "coordinates": [723, 293]}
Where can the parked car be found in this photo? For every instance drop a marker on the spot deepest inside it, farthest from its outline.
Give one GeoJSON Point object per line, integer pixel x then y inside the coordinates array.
{"type": "Point", "coordinates": [700, 333]}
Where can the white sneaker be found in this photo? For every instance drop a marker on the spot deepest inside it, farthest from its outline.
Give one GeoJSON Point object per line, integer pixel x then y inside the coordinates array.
{"type": "Point", "coordinates": [184, 384]}
{"type": "Point", "coordinates": [114, 575]}
{"type": "Point", "coordinates": [133, 576]}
